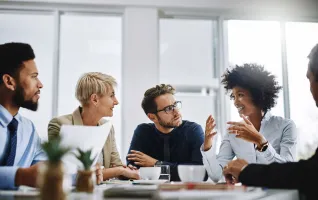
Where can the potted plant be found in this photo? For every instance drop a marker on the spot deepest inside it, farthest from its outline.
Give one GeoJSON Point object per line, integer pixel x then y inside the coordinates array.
{"type": "Point", "coordinates": [52, 172]}
{"type": "Point", "coordinates": [85, 178]}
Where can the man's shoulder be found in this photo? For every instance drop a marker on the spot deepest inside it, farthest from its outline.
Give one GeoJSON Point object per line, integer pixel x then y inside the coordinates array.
{"type": "Point", "coordinates": [145, 127]}
{"type": "Point", "coordinates": [190, 128]}
{"type": "Point", "coordinates": [25, 122]}
{"type": "Point", "coordinates": [189, 125]}
{"type": "Point", "coordinates": [28, 127]}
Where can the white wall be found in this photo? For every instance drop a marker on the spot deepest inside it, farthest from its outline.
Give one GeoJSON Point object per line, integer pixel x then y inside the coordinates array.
{"type": "Point", "coordinates": [10, 31]}
{"type": "Point", "coordinates": [268, 8]}
{"type": "Point", "coordinates": [140, 66]}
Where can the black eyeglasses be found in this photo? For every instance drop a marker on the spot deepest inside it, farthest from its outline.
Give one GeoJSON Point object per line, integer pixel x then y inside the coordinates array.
{"type": "Point", "coordinates": [170, 109]}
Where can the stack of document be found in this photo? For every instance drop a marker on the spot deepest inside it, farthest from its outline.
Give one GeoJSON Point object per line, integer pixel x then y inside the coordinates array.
{"type": "Point", "coordinates": [199, 186]}
{"type": "Point", "coordinates": [131, 191]}
{"type": "Point", "coordinates": [211, 194]}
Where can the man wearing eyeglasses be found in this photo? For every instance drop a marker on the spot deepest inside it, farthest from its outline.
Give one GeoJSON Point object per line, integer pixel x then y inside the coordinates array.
{"type": "Point", "coordinates": [169, 140]}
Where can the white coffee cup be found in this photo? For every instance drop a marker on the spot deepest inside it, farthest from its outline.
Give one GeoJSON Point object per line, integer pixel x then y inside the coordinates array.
{"type": "Point", "coordinates": [149, 173]}
{"type": "Point", "coordinates": [191, 173]}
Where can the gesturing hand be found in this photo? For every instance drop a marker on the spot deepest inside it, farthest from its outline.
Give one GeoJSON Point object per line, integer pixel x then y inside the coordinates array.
{"type": "Point", "coordinates": [209, 133]}
{"type": "Point", "coordinates": [141, 159]}
{"type": "Point", "coordinates": [246, 131]}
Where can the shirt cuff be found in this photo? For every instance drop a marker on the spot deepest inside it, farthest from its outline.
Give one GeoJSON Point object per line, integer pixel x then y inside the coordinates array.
{"type": "Point", "coordinates": [244, 167]}
{"type": "Point", "coordinates": [242, 174]}
{"type": "Point", "coordinates": [207, 154]}
{"type": "Point", "coordinates": [7, 177]}
{"type": "Point", "coordinates": [211, 164]}
{"type": "Point", "coordinates": [268, 154]}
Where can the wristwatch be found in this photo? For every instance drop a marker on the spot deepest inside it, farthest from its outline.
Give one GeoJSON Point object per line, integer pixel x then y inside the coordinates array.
{"type": "Point", "coordinates": [159, 162]}
{"type": "Point", "coordinates": [263, 147]}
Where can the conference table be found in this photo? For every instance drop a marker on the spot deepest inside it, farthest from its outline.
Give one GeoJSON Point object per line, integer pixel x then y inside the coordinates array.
{"type": "Point", "coordinates": [99, 194]}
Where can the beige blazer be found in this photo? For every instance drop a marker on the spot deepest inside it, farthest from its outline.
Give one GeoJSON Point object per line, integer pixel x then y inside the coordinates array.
{"type": "Point", "coordinates": [111, 156]}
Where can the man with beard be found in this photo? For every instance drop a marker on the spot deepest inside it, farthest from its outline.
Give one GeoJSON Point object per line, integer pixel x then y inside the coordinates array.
{"type": "Point", "coordinates": [20, 146]}
{"type": "Point", "coordinates": [294, 175]}
{"type": "Point", "coordinates": [169, 140]}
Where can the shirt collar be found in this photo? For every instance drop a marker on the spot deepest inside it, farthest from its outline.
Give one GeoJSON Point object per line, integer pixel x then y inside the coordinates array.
{"type": "Point", "coordinates": [77, 117]}
{"type": "Point", "coordinates": [6, 117]}
{"type": "Point", "coordinates": [167, 134]}
{"type": "Point", "coordinates": [267, 116]}
{"type": "Point", "coordinates": [164, 134]}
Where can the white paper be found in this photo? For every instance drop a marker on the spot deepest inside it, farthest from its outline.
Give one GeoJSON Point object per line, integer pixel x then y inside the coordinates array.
{"type": "Point", "coordinates": [85, 138]}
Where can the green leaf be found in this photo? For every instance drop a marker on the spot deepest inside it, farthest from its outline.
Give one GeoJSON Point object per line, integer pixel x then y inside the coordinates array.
{"type": "Point", "coordinates": [53, 150]}
{"type": "Point", "coordinates": [85, 158]}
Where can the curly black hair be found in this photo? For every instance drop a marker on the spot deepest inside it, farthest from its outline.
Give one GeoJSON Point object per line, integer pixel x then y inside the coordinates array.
{"type": "Point", "coordinates": [261, 84]}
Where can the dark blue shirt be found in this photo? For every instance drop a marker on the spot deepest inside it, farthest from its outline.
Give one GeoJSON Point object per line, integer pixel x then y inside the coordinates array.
{"type": "Point", "coordinates": [180, 146]}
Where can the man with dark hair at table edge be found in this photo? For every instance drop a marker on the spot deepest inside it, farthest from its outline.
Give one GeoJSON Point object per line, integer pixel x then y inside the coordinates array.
{"type": "Point", "coordinates": [169, 140]}
{"type": "Point", "coordinates": [20, 145]}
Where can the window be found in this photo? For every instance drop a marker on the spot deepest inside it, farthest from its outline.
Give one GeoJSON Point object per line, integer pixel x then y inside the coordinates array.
{"type": "Point", "coordinates": [36, 30]}
{"type": "Point", "coordinates": [187, 62]}
{"type": "Point", "coordinates": [300, 39]}
{"type": "Point", "coordinates": [256, 42]}
{"type": "Point", "coordinates": [186, 53]}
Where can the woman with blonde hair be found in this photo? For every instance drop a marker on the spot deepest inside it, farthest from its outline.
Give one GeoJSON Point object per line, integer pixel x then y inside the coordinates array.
{"type": "Point", "coordinates": [95, 92]}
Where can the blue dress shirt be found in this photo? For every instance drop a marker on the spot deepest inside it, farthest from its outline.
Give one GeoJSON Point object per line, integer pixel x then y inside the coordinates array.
{"type": "Point", "coordinates": [279, 132]}
{"type": "Point", "coordinates": [28, 150]}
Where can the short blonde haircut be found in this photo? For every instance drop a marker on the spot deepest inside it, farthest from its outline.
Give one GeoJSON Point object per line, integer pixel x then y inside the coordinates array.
{"type": "Point", "coordinates": [93, 83]}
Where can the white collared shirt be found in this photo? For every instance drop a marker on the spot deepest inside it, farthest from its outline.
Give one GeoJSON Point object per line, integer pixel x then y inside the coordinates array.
{"type": "Point", "coordinates": [279, 132]}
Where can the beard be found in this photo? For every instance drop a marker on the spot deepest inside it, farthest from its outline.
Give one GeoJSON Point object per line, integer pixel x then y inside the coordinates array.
{"type": "Point", "coordinates": [170, 124]}
{"type": "Point", "coordinates": [18, 99]}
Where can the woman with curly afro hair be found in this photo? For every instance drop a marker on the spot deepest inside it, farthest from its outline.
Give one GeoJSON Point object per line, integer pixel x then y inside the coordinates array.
{"type": "Point", "coordinates": [260, 137]}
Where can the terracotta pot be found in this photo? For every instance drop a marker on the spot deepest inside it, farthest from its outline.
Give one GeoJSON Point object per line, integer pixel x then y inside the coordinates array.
{"type": "Point", "coordinates": [85, 181]}
{"type": "Point", "coordinates": [51, 184]}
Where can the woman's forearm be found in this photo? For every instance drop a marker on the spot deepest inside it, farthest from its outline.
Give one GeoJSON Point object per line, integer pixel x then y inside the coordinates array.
{"type": "Point", "coordinates": [112, 172]}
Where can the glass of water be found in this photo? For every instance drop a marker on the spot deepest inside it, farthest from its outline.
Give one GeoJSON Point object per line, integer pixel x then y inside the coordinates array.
{"type": "Point", "coordinates": [165, 172]}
